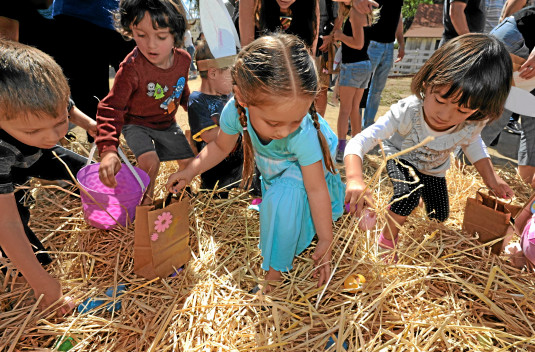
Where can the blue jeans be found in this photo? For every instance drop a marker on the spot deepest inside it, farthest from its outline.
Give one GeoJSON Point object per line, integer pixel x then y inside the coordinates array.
{"type": "Point", "coordinates": [191, 50]}
{"type": "Point", "coordinates": [507, 32]}
{"type": "Point", "coordinates": [382, 57]}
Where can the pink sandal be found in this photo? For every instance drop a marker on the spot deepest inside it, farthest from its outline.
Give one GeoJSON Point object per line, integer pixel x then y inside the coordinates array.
{"type": "Point", "coordinates": [387, 248]}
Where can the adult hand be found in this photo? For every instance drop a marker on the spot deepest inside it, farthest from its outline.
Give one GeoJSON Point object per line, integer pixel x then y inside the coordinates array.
{"type": "Point", "coordinates": [109, 167]}
{"type": "Point", "coordinates": [401, 54]}
{"type": "Point", "coordinates": [527, 70]}
{"type": "Point", "coordinates": [338, 34]}
{"type": "Point", "coordinates": [327, 40]}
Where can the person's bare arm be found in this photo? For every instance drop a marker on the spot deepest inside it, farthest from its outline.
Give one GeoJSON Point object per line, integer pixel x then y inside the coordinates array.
{"type": "Point", "coordinates": [19, 251]}
{"type": "Point", "coordinates": [400, 39]}
{"type": "Point", "coordinates": [246, 21]}
{"type": "Point", "coordinates": [458, 18]}
{"type": "Point", "coordinates": [80, 119]}
{"type": "Point", "coordinates": [510, 7]}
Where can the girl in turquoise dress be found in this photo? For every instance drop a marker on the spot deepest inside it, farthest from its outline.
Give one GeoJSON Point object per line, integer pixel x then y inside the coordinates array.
{"type": "Point", "coordinates": [275, 83]}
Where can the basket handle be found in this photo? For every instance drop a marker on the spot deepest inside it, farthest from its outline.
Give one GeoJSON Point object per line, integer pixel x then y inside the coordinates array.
{"type": "Point", "coordinates": [125, 159]}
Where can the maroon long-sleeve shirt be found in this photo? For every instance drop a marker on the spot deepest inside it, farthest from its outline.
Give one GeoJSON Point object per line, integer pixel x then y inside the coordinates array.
{"type": "Point", "coordinates": [142, 94]}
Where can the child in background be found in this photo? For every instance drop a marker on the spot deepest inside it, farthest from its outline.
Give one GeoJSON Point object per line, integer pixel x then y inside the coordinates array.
{"type": "Point", "coordinates": [149, 86]}
{"type": "Point", "coordinates": [523, 253]}
{"type": "Point", "coordinates": [457, 91]}
{"type": "Point", "coordinates": [355, 72]}
{"type": "Point", "coordinates": [204, 109]}
{"type": "Point", "coordinates": [275, 86]}
{"type": "Point", "coordinates": [34, 108]}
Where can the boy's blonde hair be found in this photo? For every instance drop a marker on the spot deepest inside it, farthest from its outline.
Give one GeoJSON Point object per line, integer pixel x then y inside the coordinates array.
{"type": "Point", "coordinates": [31, 82]}
{"type": "Point", "coordinates": [267, 69]}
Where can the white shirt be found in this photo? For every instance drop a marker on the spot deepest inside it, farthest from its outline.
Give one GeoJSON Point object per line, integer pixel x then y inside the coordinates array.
{"type": "Point", "coordinates": [188, 41]}
{"type": "Point", "coordinates": [404, 126]}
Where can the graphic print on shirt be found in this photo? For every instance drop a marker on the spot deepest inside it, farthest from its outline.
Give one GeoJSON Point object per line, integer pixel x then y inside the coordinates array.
{"type": "Point", "coordinates": [169, 103]}
{"type": "Point", "coordinates": [155, 90]}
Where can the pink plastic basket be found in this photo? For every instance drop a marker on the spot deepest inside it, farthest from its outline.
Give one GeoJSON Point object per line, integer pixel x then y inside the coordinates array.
{"type": "Point", "coordinates": [111, 206]}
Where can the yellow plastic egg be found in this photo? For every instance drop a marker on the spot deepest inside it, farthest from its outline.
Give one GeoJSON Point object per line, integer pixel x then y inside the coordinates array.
{"type": "Point", "coordinates": [354, 282]}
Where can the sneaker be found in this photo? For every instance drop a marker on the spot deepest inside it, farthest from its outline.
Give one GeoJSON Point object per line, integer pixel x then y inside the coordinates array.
{"type": "Point", "coordinates": [339, 156]}
{"type": "Point", "coordinates": [513, 127]}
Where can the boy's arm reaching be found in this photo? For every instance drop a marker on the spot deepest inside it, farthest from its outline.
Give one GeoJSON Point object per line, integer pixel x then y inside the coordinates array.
{"type": "Point", "coordinates": [320, 207]}
{"type": "Point", "coordinates": [17, 247]}
{"type": "Point", "coordinates": [80, 119]}
{"type": "Point", "coordinates": [210, 156]}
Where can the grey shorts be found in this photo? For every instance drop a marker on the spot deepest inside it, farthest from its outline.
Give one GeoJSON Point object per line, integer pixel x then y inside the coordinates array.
{"type": "Point", "coordinates": [169, 144]}
{"type": "Point", "coordinates": [526, 149]}
{"type": "Point", "coordinates": [356, 74]}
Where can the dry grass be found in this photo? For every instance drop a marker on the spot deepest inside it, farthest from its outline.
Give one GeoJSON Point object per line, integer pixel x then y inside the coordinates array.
{"type": "Point", "coordinates": [447, 293]}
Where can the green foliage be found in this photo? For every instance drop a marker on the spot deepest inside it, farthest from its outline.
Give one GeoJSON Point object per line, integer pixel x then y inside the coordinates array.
{"type": "Point", "coordinates": [409, 10]}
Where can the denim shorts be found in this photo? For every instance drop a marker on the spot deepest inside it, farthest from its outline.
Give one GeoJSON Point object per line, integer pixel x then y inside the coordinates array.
{"type": "Point", "coordinates": [507, 32]}
{"type": "Point", "coordinates": [356, 74]}
{"type": "Point", "coordinates": [169, 144]}
{"type": "Point", "coordinates": [526, 148]}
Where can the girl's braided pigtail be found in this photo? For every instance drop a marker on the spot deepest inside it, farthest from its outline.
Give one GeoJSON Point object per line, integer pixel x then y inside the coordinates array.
{"type": "Point", "coordinates": [323, 142]}
{"type": "Point", "coordinates": [248, 155]}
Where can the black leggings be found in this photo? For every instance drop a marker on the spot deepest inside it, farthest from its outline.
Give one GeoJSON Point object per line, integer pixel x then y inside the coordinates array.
{"type": "Point", "coordinates": [410, 186]}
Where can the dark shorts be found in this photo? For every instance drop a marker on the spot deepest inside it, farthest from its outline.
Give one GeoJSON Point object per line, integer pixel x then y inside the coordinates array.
{"type": "Point", "coordinates": [169, 144]}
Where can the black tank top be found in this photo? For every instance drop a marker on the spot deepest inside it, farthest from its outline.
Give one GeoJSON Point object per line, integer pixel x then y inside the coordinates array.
{"type": "Point", "coordinates": [350, 55]}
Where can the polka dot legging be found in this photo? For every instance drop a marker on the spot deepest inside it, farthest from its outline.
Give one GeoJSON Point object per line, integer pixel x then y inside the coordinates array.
{"type": "Point", "coordinates": [433, 190]}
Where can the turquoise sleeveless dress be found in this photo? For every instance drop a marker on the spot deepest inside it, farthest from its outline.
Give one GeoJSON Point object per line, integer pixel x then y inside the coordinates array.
{"type": "Point", "coordinates": [286, 226]}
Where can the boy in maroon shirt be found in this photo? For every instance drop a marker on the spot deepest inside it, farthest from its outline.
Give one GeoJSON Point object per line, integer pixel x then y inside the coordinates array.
{"type": "Point", "coordinates": [149, 86]}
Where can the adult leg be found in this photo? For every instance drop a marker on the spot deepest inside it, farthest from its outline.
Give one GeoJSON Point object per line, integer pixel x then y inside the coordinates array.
{"type": "Point", "coordinates": [342, 125]}
{"type": "Point", "coordinates": [383, 57]}
{"type": "Point", "coordinates": [356, 120]}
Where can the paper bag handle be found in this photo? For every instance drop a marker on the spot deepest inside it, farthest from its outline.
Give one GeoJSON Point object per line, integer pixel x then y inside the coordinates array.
{"type": "Point", "coordinates": [167, 199]}
{"type": "Point", "coordinates": [125, 159]}
{"type": "Point", "coordinates": [495, 197]}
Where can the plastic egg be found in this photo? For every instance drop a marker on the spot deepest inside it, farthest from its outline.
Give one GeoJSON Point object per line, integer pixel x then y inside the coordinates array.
{"type": "Point", "coordinates": [354, 282]}
{"type": "Point", "coordinates": [368, 219]}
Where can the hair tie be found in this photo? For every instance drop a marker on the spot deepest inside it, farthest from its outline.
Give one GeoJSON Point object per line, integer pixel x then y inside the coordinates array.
{"type": "Point", "coordinates": [245, 128]}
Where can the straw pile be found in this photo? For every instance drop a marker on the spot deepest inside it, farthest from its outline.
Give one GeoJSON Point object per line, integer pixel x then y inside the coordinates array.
{"type": "Point", "coordinates": [447, 293]}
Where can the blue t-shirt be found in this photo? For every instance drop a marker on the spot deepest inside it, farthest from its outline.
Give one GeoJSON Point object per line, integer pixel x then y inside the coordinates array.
{"type": "Point", "coordinates": [98, 12]}
{"type": "Point", "coordinates": [204, 112]}
{"type": "Point", "coordinates": [282, 157]}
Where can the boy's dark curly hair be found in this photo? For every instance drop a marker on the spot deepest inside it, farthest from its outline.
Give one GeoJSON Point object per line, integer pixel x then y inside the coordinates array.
{"type": "Point", "coordinates": [163, 13]}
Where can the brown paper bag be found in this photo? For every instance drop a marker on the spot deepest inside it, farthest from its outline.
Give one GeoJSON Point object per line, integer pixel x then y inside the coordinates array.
{"type": "Point", "coordinates": [161, 243]}
{"type": "Point", "coordinates": [490, 218]}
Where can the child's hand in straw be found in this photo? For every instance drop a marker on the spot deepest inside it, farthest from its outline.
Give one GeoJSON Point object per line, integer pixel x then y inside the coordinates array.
{"type": "Point", "coordinates": [322, 261]}
{"type": "Point", "coordinates": [178, 180]}
{"type": "Point", "coordinates": [52, 297]}
{"type": "Point", "coordinates": [109, 167]}
{"type": "Point", "coordinates": [354, 190]}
